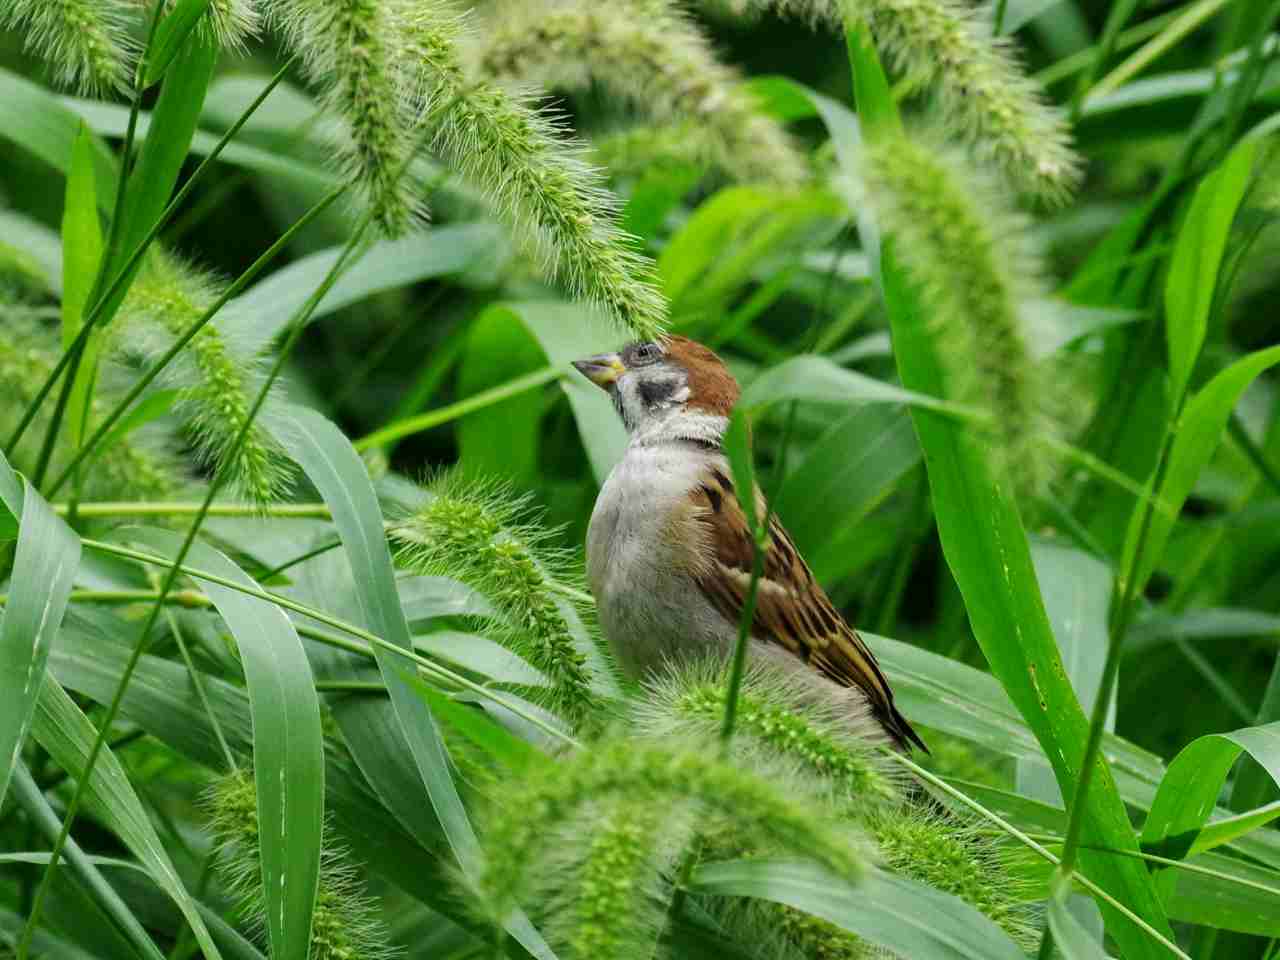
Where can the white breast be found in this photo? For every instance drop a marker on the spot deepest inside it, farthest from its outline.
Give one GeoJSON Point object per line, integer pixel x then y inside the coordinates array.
{"type": "Point", "coordinates": [649, 607]}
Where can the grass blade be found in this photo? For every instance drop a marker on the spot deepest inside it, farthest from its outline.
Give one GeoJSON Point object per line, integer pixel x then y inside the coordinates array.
{"type": "Point", "coordinates": [173, 124]}
{"type": "Point", "coordinates": [81, 257]}
{"type": "Point", "coordinates": [338, 473]}
{"type": "Point", "coordinates": [1193, 272]}
{"type": "Point", "coordinates": [43, 571]}
{"type": "Point", "coordinates": [30, 798]}
{"type": "Point", "coordinates": [1193, 781]}
{"type": "Point", "coordinates": [987, 551]}
{"type": "Point", "coordinates": [171, 34]}
{"type": "Point", "coordinates": [68, 735]}
{"type": "Point", "coordinates": [288, 745]}
{"type": "Point", "coordinates": [1074, 942]}
{"type": "Point", "coordinates": [908, 918]}
{"type": "Point", "coordinates": [1199, 430]}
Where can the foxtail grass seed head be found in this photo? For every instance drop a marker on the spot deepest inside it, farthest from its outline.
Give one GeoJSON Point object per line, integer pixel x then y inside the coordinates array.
{"type": "Point", "coordinates": [982, 93]}
{"type": "Point", "coordinates": [353, 51]}
{"type": "Point", "coordinates": [779, 720]}
{"type": "Point", "coordinates": [534, 175]}
{"type": "Point", "coordinates": [87, 43]}
{"type": "Point", "coordinates": [672, 778]}
{"type": "Point", "coordinates": [480, 534]}
{"type": "Point", "coordinates": [650, 55]}
{"type": "Point", "coordinates": [233, 22]}
{"type": "Point", "coordinates": [951, 854]}
{"type": "Point", "coordinates": [217, 383]}
{"type": "Point", "coordinates": [600, 887]}
{"type": "Point", "coordinates": [970, 258]}
{"type": "Point", "coordinates": [345, 924]}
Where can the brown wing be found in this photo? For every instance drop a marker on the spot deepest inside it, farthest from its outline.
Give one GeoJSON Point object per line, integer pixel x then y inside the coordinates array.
{"type": "Point", "coordinates": [792, 609]}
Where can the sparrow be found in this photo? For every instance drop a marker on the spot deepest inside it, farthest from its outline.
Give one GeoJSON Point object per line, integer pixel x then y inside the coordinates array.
{"type": "Point", "coordinates": [669, 551]}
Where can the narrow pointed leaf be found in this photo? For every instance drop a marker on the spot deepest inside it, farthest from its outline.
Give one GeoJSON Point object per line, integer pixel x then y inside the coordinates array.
{"type": "Point", "coordinates": [81, 258]}
{"type": "Point", "coordinates": [908, 918]}
{"type": "Point", "coordinates": [171, 34]}
{"type": "Point", "coordinates": [32, 800]}
{"type": "Point", "coordinates": [338, 473]}
{"type": "Point", "coordinates": [1193, 271]}
{"type": "Point", "coordinates": [1198, 433]}
{"type": "Point", "coordinates": [288, 743]}
{"type": "Point", "coordinates": [1192, 783]}
{"type": "Point", "coordinates": [68, 735]}
{"type": "Point", "coordinates": [987, 551]}
{"type": "Point", "coordinates": [1070, 937]}
{"type": "Point", "coordinates": [44, 569]}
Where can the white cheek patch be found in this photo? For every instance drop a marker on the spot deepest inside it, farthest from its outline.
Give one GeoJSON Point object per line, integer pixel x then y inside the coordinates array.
{"type": "Point", "coordinates": [681, 395]}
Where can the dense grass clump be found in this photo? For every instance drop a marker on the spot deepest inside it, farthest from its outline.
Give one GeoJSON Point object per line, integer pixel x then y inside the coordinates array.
{"type": "Point", "coordinates": [996, 283]}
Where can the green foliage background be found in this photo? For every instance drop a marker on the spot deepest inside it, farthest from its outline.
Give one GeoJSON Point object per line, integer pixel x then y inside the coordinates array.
{"type": "Point", "coordinates": [293, 560]}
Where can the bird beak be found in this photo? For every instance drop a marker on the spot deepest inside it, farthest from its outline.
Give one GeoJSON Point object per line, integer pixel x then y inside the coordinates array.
{"type": "Point", "coordinates": [603, 369]}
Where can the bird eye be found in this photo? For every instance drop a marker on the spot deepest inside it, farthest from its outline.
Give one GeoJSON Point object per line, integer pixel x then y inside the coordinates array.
{"type": "Point", "coordinates": [644, 353]}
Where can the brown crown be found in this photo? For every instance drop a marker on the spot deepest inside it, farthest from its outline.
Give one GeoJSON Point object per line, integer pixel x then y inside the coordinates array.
{"type": "Point", "coordinates": [711, 385]}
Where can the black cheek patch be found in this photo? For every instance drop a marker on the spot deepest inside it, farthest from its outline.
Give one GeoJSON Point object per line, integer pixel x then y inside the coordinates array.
{"type": "Point", "coordinates": [653, 393]}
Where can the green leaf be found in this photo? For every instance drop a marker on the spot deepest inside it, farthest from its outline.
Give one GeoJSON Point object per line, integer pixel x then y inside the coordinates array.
{"type": "Point", "coordinates": [173, 124]}
{"type": "Point", "coordinates": [1193, 270]}
{"type": "Point", "coordinates": [1229, 828]}
{"type": "Point", "coordinates": [63, 730]}
{"type": "Point", "coordinates": [717, 251]}
{"type": "Point", "coordinates": [851, 468]}
{"type": "Point", "coordinates": [11, 500]}
{"type": "Point", "coordinates": [986, 549]}
{"type": "Point", "coordinates": [38, 122]}
{"type": "Point", "coordinates": [112, 120]}
{"type": "Point", "coordinates": [502, 440]}
{"type": "Point", "coordinates": [1158, 628]}
{"type": "Point", "coordinates": [44, 569]}
{"type": "Point", "coordinates": [171, 34]}
{"type": "Point", "coordinates": [515, 754]}
{"type": "Point", "coordinates": [288, 743]}
{"type": "Point", "coordinates": [818, 380]}
{"type": "Point", "coordinates": [903, 916]}
{"type": "Point", "coordinates": [1071, 939]}
{"type": "Point", "coordinates": [1237, 896]}
{"type": "Point", "coordinates": [1077, 597]}
{"type": "Point", "coordinates": [261, 313]}
{"type": "Point", "coordinates": [338, 473]}
{"type": "Point", "coordinates": [877, 113]}
{"type": "Point", "coordinates": [81, 259]}
{"type": "Point", "coordinates": [1193, 781]}
{"type": "Point", "coordinates": [33, 802]}
{"type": "Point", "coordinates": [569, 332]}
{"type": "Point", "coordinates": [1198, 433]}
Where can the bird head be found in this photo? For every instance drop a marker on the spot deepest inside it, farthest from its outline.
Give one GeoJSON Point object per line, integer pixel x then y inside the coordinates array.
{"type": "Point", "coordinates": [653, 382]}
